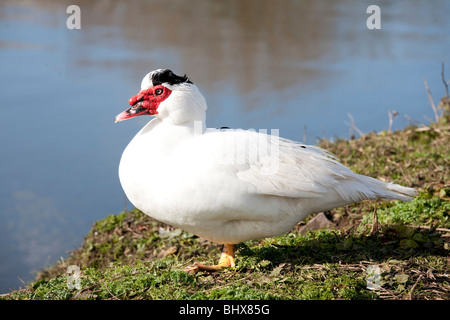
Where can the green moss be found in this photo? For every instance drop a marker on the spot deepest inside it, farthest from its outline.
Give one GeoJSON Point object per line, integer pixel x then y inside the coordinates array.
{"type": "Point", "coordinates": [318, 265]}
{"type": "Point", "coordinates": [422, 210]}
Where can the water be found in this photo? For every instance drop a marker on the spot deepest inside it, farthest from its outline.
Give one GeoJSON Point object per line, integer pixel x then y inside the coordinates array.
{"type": "Point", "coordinates": [296, 66]}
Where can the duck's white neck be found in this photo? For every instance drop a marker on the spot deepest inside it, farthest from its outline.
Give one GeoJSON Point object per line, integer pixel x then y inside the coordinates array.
{"type": "Point", "coordinates": [162, 137]}
{"type": "Point", "coordinates": [185, 107]}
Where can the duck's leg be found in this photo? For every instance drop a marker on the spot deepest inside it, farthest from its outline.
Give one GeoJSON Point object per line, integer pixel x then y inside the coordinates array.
{"type": "Point", "coordinates": [226, 260]}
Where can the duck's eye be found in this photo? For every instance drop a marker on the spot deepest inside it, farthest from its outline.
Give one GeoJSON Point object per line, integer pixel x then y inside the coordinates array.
{"type": "Point", "coordinates": [158, 91]}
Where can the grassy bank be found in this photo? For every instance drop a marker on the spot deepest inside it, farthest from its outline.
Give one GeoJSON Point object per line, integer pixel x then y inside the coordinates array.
{"type": "Point", "coordinates": [130, 256]}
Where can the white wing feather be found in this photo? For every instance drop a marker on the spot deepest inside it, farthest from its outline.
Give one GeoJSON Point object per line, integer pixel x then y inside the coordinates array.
{"type": "Point", "coordinates": [281, 167]}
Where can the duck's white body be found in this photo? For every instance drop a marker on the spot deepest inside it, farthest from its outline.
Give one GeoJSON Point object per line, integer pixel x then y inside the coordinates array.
{"type": "Point", "coordinates": [230, 186]}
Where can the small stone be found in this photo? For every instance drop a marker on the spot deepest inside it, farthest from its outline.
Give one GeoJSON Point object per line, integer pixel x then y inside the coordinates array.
{"type": "Point", "coordinates": [408, 243]}
{"type": "Point", "coordinates": [320, 221]}
{"type": "Point", "coordinates": [165, 252]}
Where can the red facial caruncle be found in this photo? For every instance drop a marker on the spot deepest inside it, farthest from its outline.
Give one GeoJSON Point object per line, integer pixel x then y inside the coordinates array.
{"type": "Point", "coordinates": [145, 102]}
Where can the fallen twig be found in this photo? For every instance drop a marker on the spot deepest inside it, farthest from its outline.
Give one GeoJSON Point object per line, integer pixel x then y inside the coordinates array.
{"type": "Point", "coordinates": [114, 297]}
{"type": "Point", "coordinates": [428, 227]}
{"type": "Point", "coordinates": [410, 295]}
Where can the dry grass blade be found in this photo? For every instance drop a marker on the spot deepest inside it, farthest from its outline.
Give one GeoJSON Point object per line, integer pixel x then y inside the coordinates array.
{"type": "Point", "coordinates": [430, 97]}
{"type": "Point", "coordinates": [445, 82]}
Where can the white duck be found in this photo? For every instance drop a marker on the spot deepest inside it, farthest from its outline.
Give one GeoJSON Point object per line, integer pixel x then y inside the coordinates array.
{"type": "Point", "coordinates": [228, 186]}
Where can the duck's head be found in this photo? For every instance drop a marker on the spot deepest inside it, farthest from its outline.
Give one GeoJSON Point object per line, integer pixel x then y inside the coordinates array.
{"type": "Point", "coordinates": [167, 96]}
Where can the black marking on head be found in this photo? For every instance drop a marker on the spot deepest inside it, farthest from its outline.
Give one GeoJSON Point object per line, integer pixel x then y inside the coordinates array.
{"type": "Point", "coordinates": [303, 147]}
{"type": "Point", "coordinates": [167, 76]}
